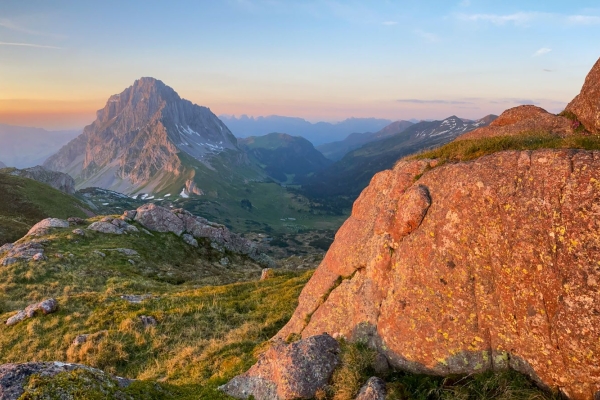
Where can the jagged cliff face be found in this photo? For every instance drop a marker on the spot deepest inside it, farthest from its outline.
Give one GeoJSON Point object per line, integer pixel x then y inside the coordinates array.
{"type": "Point", "coordinates": [138, 137]}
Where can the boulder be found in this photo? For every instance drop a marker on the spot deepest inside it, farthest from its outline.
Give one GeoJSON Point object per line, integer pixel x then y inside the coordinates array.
{"type": "Point", "coordinates": [127, 252]}
{"type": "Point", "coordinates": [79, 232]}
{"type": "Point", "coordinates": [105, 227]}
{"type": "Point", "coordinates": [159, 219]}
{"type": "Point", "coordinates": [148, 321]}
{"type": "Point", "coordinates": [76, 221]}
{"type": "Point", "coordinates": [586, 105]}
{"type": "Point", "coordinates": [129, 215]}
{"type": "Point", "coordinates": [374, 389]}
{"type": "Point", "coordinates": [500, 272]}
{"type": "Point", "coordinates": [44, 226]}
{"type": "Point", "coordinates": [288, 371]}
{"type": "Point", "coordinates": [47, 306]}
{"type": "Point", "coordinates": [189, 239]}
{"type": "Point", "coordinates": [14, 377]}
{"type": "Point", "coordinates": [38, 257]}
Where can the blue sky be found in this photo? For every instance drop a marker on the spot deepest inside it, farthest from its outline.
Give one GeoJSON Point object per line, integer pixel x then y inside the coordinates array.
{"type": "Point", "coordinates": [317, 59]}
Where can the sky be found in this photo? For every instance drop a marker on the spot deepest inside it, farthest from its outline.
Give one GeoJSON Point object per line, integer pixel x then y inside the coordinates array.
{"type": "Point", "coordinates": [322, 60]}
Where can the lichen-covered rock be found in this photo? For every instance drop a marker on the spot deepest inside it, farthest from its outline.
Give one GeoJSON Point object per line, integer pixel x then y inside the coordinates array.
{"type": "Point", "coordinates": [47, 306]}
{"type": "Point", "coordinates": [502, 271]}
{"type": "Point", "coordinates": [22, 252]}
{"type": "Point", "coordinates": [14, 377]}
{"type": "Point", "coordinates": [288, 371]}
{"type": "Point", "coordinates": [586, 105]}
{"type": "Point", "coordinates": [374, 389]}
{"type": "Point", "coordinates": [159, 219]}
{"type": "Point", "coordinates": [105, 227]}
{"type": "Point", "coordinates": [44, 226]}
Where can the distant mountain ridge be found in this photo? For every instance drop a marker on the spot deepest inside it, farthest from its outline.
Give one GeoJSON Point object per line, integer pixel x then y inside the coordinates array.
{"type": "Point", "coordinates": [23, 147]}
{"type": "Point", "coordinates": [347, 177]}
{"type": "Point", "coordinates": [139, 139]}
{"type": "Point", "coordinates": [336, 150]}
{"type": "Point", "coordinates": [317, 133]}
{"type": "Point", "coordinates": [284, 157]}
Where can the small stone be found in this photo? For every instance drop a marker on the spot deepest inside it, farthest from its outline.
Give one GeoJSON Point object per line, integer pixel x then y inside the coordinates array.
{"type": "Point", "coordinates": [380, 364]}
{"type": "Point", "coordinates": [136, 298]}
{"type": "Point", "coordinates": [99, 253]}
{"type": "Point", "coordinates": [105, 227]}
{"type": "Point", "coordinates": [79, 232]}
{"type": "Point", "coordinates": [148, 321]}
{"type": "Point", "coordinates": [47, 306]}
{"type": "Point", "coordinates": [374, 389]}
{"type": "Point", "coordinates": [266, 274]}
{"type": "Point", "coordinates": [79, 340]}
{"type": "Point", "coordinates": [38, 257]}
{"type": "Point", "coordinates": [127, 252]}
{"type": "Point", "coordinates": [131, 262]}
{"type": "Point", "coordinates": [189, 239]}
{"type": "Point", "coordinates": [76, 221]}
{"type": "Point", "coordinates": [224, 261]}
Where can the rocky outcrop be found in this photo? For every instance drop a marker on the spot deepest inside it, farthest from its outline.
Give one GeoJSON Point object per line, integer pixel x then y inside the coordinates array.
{"type": "Point", "coordinates": [586, 105]}
{"type": "Point", "coordinates": [192, 188]}
{"type": "Point", "coordinates": [14, 377]}
{"type": "Point", "coordinates": [474, 266]}
{"type": "Point", "coordinates": [46, 307]}
{"type": "Point", "coordinates": [57, 180]}
{"type": "Point", "coordinates": [288, 371]}
{"type": "Point", "coordinates": [136, 138]}
{"type": "Point", "coordinates": [44, 226]}
{"type": "Point", "coordinates": [523, 119]}
{"type": "Point", "coordinates": [28, 251]}
{"type": "Point", "coordinates": [115, 226]}
{"type": "Point", "coordinates": [185, 224]}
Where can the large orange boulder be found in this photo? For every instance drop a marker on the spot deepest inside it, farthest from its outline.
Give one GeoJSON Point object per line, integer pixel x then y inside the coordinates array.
{"type": "Point", "coordinates": [586, 105]}
{"type": "Point", "coordinates": [466, 267]}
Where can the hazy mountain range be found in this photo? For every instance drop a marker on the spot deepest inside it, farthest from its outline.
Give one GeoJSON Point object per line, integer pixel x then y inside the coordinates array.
{"type": "Point", "coordinates": [317, 133]}
{"type": "Point", "coordinates": [23, 147]}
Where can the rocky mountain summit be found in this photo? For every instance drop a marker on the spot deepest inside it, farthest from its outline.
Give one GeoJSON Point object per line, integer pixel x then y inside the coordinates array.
{"type": "Point", "coordinates": [139, 138]}
{"type": "Point", "coordinates": [57, 180]}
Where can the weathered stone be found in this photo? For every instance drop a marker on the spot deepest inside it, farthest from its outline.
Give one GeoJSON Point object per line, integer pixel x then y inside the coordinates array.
{"type": "Point", "coordinates": [105, 227]}
{"type": "Point", "coordinates": [135, 298]}
{"type": "Point", "coordinates": [79, 232]}
{"type": "Point", "coordinates": [76, 221]}
{"type": "Point", "coordinates": [13, 377]}
{"type": "Point", "coordinates": [6, 261]}
{"type": "Point", "coordinates": [148, 321]}
{"type": "Point", "coordinates": [127, 252]}
{"type": "Point", "coordinates": [22, 251]}
{"type": "Point", "coordinates": [586, 105]}
{"type": "Point", "coordinates": [501, 272]}
{"type": "Point", "coordinates": [38, 257]}
{"type": "Point", "coordinates": [266, 273]}
{"type": "Point", "coordinates": [380, 364]}
{"type": "Point", "coordinates": [189, 239]}
{"type": "Point", "coordinates": [224, 261]}
{"type": "Point", "coordinates": [99, 253]}
{"type": "Point", "coordinates": [129, 215]}
{"type": "Point", "coordinates": [79, 340]}
{"type": "Point", "coordinates": [42, 227]}
{"type": "Point", "coordinates": [288, 371]}
{"type": "Point", "coordinates": [47, 306]}
{"type": "Point", "coordinates": [6, 247]}
{"type": "Point", "coordinates": [159, 219]}
{"type": "Point", "coordinates": [130, 261]}
{"type": "Point", "coordinates": [374, 389]}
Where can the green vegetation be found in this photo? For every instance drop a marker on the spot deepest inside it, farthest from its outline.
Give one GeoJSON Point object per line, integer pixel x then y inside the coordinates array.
{"type": "Point", "coordinates": [466, 150]}
{"type": "Point", "coordinates": [24, 202]}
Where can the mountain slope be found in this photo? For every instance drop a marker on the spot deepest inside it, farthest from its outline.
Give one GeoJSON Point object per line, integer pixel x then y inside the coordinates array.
{"type": "Point", "coordinates": [317, 133]}
{"type": "Point", "coordinates": [284, 157]}
{"type": "Point", "coordinates": [336, 150]}
{"type": "Point", "coordinates": [23, 147]}
{"type": "Point", "coordinates": [350, 175]}
{"type": "Point", "coordinates": [23, 202]}
{"type": "Point", "coordinates": [138, 139]}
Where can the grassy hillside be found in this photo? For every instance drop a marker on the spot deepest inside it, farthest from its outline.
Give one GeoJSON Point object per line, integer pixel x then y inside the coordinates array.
{"type": "Point", "coordinates": [204, 336]}
{"type": "Point", "coordinates": [24, 202]}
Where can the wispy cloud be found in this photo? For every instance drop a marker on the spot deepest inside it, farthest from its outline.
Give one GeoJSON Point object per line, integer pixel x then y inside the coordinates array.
{"type": "Point", "coordinates": [583, 19]}
{"type": "Point", "coordinates": [430, 37]}
{"type": "Point", "coordinates": [389, 23]}
{"type": "Point", "coordinates": [541, 52]}
{"type": "Point", "coordinates": [422, 101]}
{"type": "Point", "coordinates": [520, 18]}
{"type": "Point", "coordinates": [16, 27]}
{"type": "Point", "coordinates": [40, 46]}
